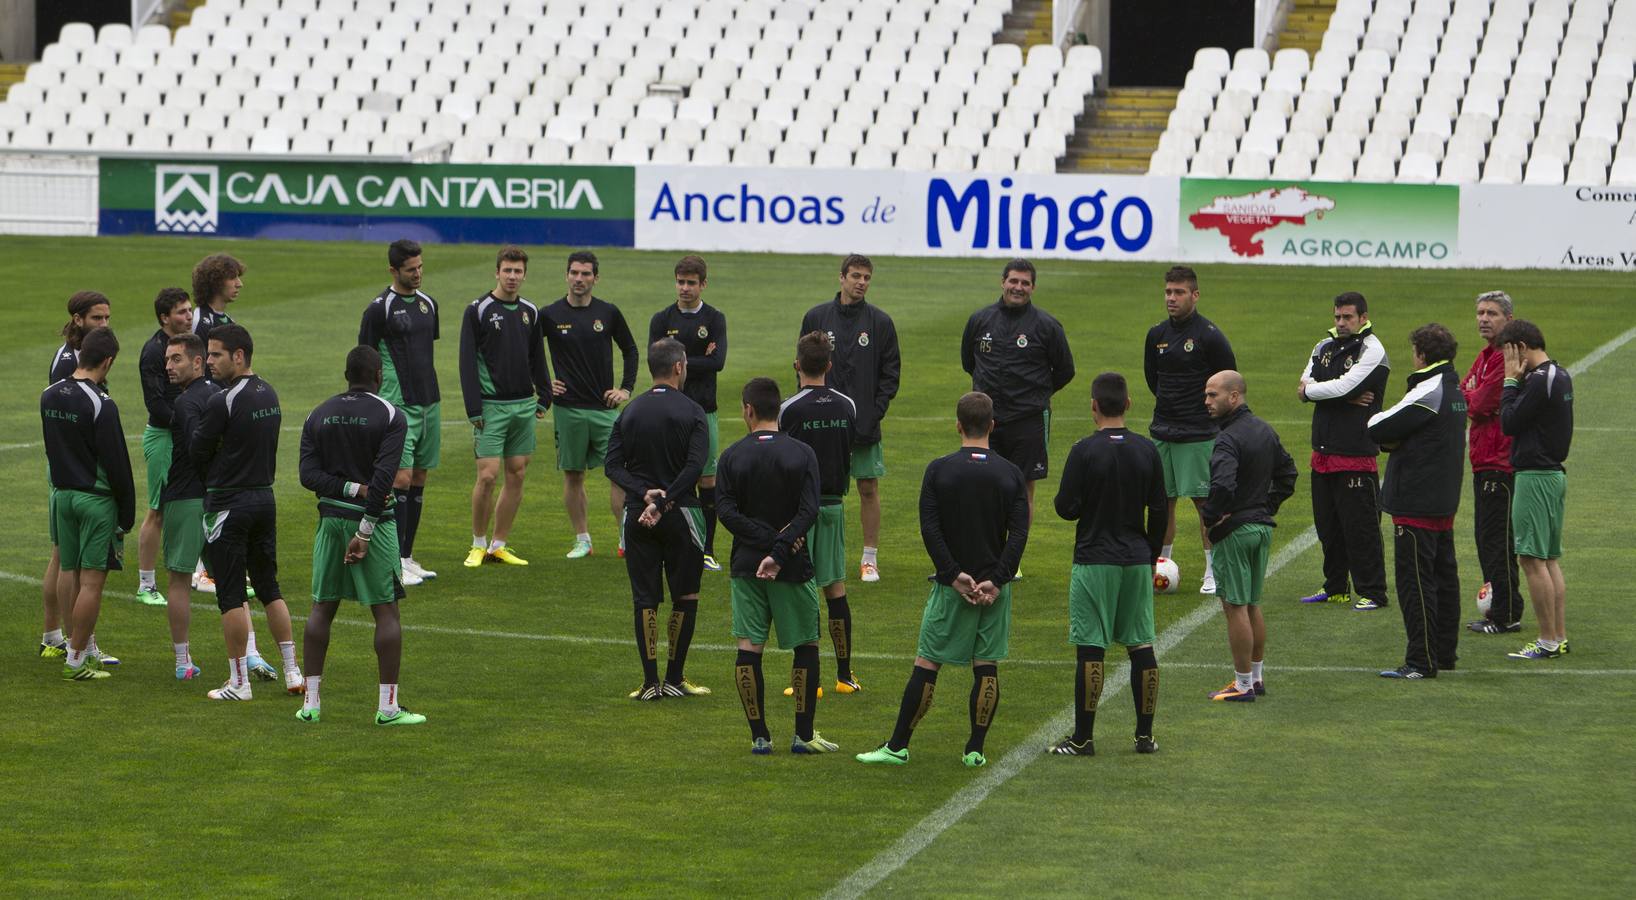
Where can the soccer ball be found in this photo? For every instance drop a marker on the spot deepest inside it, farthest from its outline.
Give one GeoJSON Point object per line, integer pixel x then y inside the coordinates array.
{"type": "Point", "coordinates": [1166, 575]}
{"type": "Point", "coordinates": [1485, 598]}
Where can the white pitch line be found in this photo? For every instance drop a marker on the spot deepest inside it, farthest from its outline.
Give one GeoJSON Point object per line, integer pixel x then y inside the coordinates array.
{"type": "Point", "coordinates": [1520, 669]}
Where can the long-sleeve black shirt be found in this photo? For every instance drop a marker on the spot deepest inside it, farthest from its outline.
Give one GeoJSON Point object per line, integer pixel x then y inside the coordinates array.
{"type": "Point", "coordinates": [205, 318]}
{"type": "Point", "coordinates": [696, 331]}
{"type": "Point", "coordinates": [824, 419]}
{"type": "Point", "coordinates": [353, 438]}
{"type": "Point", "coordinates": [1114, 486]}
{"type": "Point", "coordinates": [1537, 411]}
{"type": "Point", "coordinates": [502, 354]}
{"type": "Point", "coordinates": [1178, 358]}
{"type": "Point", "coordinates": [236, 442]}
{"type": "Point", "coordinates": [1251, 475]}
{"type": "Point", "coordinates": [158, 394]}
{"type": "Point", "coordinates": [974, 516]}
{"type": "Point", "coordinates": [660, 440]}
{"type": "Point", "coordinates": [85, 445]}
{"type": "Point", "coordinates": [1339, 370]}
{"type": "Point", "coordinates": [1018, 356]}
{"type": "Point", "coordinates": [582, 341]}
{"type": "Point", "coordinates": [867, 364]}
{"type": "Point", "coordinates": [186, 478]}
{"type": "Point", "coordinates": [767, 496]}
{"type": "Point", "coordinates": [403, 329]}
{"type": "Point", "coordinates": [1426, 434]}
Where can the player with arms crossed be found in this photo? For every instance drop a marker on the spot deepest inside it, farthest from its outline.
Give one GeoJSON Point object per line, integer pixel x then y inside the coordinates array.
{"type": "Point", "coordinates": [769, 501]}
{"type": "Point", "coordinates": [182, 501]}
{"type": "Point", "coordinates": [974, 523]}
{"type": "Point", "coordinates": [825, 419]}
{"type": "Point", "coordinates": [402, 325]}
{"type": "Point", "coordinates": [236, 444]}
{"type": "Point", "coordinates": [351, 447]}
{"type": "Point", "coordinates": [702, 330]}
{"type": "Point", "coordinates": [1178, 358]}
{"type": "Point", "coordinates": [656, 449]}
{"type": "Point", "coordinates": [1113, 486]}
{"type": "Point", "coordinates": [582, 330]}
{"type": "Point", "coordinates": [864, 344]}
{"type": "Point", "coordinates": [94, 504]}
{"type": "Point", "coordinates": [506, 385]}
{"type": "Point", "coordinates": [174, 311]}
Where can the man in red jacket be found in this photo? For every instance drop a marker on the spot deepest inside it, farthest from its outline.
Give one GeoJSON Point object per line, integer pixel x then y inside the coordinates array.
{"type": "Point", "coordinates": [1491, 472]}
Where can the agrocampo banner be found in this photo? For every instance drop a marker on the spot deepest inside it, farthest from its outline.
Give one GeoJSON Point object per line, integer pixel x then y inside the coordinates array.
{"type": "Point", "coordinates": [1313, 223]}
{"type": "Point", "coordinates": [584, 205]}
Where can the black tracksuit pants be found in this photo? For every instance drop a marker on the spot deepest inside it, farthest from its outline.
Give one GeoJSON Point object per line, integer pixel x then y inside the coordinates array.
{"type": "Point", "coordinates": [1428, 590]}
{"type": "Point", "coordinates": [1496, 551]}
{"type": "Point", "coordinates": [1346, 515]}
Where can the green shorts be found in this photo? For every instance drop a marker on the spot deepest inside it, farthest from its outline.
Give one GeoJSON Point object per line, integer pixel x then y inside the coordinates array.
{"type": "Point", "coordinates": [791, 608]}
{"type": "Point", "coordinates": [87, 525]}
{"type": "Point", "coordinates": [954, 632]}
{"type": "Point", "coordinates": [582, 436]}
{"type": "Point", "coordinates": [715, 447]}
{"type": "Point", "coordinates": [868, 462]}
{"type": "Point", "coordinates": [184, 534]}
{"type": "Point", "coordinates": [372, 580]}
{"type": "Point", "coordinates": [1240, 564]}
{"type": "Point", "coordinates": [423, 444]}
{"type": "Point", "coordinates": [156, 453]}
{"type": "Point", "coordinates": [1536, 512]}
{"type": "Point", "coordinates": [1187, 467]}
{"type": "Point", "coordinates": [1110, 604]}
{"type": "Point", "coordinates": [508, 429]}
{"type": "Point", "coordinates": [826, 541]}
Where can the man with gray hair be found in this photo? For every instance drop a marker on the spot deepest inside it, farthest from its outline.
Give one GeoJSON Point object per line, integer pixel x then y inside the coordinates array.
{"type": "Point", "coordinates": [1491, 473]}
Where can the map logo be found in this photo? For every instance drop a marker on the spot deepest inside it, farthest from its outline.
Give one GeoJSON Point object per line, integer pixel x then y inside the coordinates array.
{"type": "Point", "coordinates": [185, 199]}
{"type": "Point", "coordinates": [1243, 218]}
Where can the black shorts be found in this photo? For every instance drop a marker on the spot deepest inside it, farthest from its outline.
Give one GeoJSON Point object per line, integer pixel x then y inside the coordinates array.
{"type": "Point", "coordinates": [1023, 442]}
{"type": "Point", "coordinates": [240, 540]}
{"type": "Point", "coordinates": [671, 550]}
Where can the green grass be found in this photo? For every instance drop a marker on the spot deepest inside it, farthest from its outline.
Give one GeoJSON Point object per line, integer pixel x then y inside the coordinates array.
{"type": "Point", "coordinates": [535, 775]}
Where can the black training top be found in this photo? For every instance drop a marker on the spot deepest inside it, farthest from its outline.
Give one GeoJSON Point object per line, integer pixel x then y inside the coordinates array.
{"type": "Point", "coordinates": [1018, 356]}
{"type": "Point", "coordinates": [582, 341]}
{"type": "Point", "coordinates": [1111, 480]}
{"type": "Point", "coordinates": [1340, 370]}
{"type": "Point", "coordinates": [824, 419]}
{"type": "Point", "coordinates": [660, 440]}
{"type": "Point", "coordinates": [1250, 474]}
{"type": "Point", "coordinates": [696, 331]}
{"type": "Point", "coordinates": [502, 354]}
{"type": "Point", "coordinates": [864, 345]}
{"type": "Point", "coordinates": [974, 516]}
{"type": "Point", "coordinates": [85, 446]}
{"type": "Point", "coordinates": [1426, 434]}
{"type": "Point", "coordinates": [767, 496]}
{"type": "Point", "coordinates": [1178, 358]}
{"type": "Point", "coordinates": [186, 478]}
{"type": "Point", "coordinates": [402, 328]}
{"type": "Point", "coordinates": [236, 443]}
{"type": "Point", "coordinates": [354, 438]}
{"type": "Point", "coordinates": [158, 394]}
{"type": "Point", "coordinates": [1538, 412]}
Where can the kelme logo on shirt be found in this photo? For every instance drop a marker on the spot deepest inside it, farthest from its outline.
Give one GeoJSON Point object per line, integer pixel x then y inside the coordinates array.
{"type": "Point", "coordinates": [986, 342]}
{"type": "Point", "coordinates": [863, 339]}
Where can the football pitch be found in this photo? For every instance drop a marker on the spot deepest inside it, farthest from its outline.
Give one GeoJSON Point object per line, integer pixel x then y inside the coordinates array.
{"type": "Point", "coordinates": [535, 774]}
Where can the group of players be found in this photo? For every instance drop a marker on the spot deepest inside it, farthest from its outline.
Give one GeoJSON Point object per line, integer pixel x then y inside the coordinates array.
{"type": "Point", "coordinates": [212, 435]}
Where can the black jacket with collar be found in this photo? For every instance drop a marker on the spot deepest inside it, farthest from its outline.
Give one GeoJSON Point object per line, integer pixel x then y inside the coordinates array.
{"type": "Point", "coordinates": [1340, 370]}
{"type": "Point", "coordinates": [1426, 434]}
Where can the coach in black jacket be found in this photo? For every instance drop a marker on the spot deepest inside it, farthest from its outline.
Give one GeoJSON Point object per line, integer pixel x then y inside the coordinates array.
{"type": "Point", "coordinates": [1425, 434]}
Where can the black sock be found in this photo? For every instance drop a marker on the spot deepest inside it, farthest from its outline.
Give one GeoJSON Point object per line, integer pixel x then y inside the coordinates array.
{"type": "Point", "coordinates": [840, 634]}
{"type": "Point", "coordinates": [707, 503]}
{"type": "Point", "coordinates": [1087, 691]}
{"type": "Point", "coordinates": [402, 514]}
{"type": "Point", "coordinates": [985, 700]}
{"type": "Point", "coordinates": [647, 642]}
{"type": "Point", "coordinates": [752, 691]}
{"type": "Point", "coordinates": [917, 699]}
{"type": "Point", "coordinates": [683, 613]}
{"type": "Point", "coordinates": [804, 678]}
{"type": "Point", "coordinates": [1144, 688]}
{"type": "Point", "coordinates": [406, 542]}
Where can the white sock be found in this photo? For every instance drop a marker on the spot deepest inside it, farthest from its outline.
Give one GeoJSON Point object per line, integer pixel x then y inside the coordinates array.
{"type": "Point", "coordinates": [239, 670]}
{"type": "Point", "coordinates": [869, 555]}
{"type": "Point", "coordinates": [311, 700]}
{"type": "Point", "coordinates": [1244, 681]}
{"type": "Point", "coordinates": [1550, 645]}
{"type": "Point", "coordinates": [183, 657]}
{"type": "Point", "coordinates": [496, 545]}
{"type": "Point", "coordinates": [1209, 564]}
{"type": "Point", "coordinates": [250, 646]}
{"type": "Point", "coordinates": [198, 568]}
{"type": "Point", "coordinates": [1166, 550]}
{"type": "Point", "coordinates": [144, 579]}
{"type": "Point", "coordinates": [389, 698]}
{"type": "Point", "coordinates": [76, 658]}
{"type": "Point", "coordinates": [583, 536]}
{"type": "Point", "coordinates": [480, 542]}
{"type": "Point", "coordinates": [54, 636]}
{"type": "Point", "coordinates": [1255, 670]}
{"type": "Point", "coordinates": [286, 649]}
{"type": "Point", "coordinates": [91, 645]}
